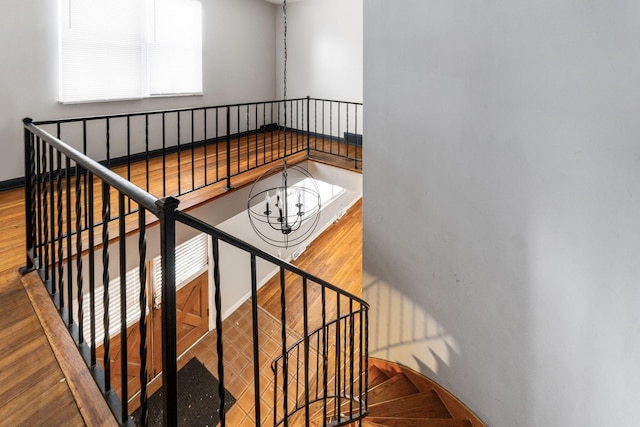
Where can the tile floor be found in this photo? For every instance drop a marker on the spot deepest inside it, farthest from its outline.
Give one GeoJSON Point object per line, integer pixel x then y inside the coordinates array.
{"type": "Point", "coordinates": [238, 355]}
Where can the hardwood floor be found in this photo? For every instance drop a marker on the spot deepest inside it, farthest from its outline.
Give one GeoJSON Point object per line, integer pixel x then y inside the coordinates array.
{"type": "Point", "coordinates": [33, 388]}
{"type": "Point", "coordinates": [335, 256]}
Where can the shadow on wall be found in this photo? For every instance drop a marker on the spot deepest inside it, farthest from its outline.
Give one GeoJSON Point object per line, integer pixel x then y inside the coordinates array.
{"type": "Point", "coordinates": [399, 326]}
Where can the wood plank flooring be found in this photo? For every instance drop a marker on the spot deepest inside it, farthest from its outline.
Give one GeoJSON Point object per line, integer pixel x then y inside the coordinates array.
{"type": "Point", "coordinates": [33, 388]}
{"type": "Point", "coordinates": [336, 257]}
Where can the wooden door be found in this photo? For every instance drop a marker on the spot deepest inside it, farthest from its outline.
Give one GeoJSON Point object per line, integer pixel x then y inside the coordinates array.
{"type": "Point", "coordinates": [192, 317]}
{"type": "Point", "coordinates": [192, 322]}
{"type": "Point", "coordinates": [133, 359]}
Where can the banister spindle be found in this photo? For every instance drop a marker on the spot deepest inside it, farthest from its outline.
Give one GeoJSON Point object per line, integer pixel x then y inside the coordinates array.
{"type": "Point", "coordinates": [305, 307]}
{"type": "Point", "coordinates": [193, 153]}
{"type": "Point", "coordinates": [79, 278]}
{"type": "Point", "coordinates": [106, 217]}
{"type": "Point", "coordinates": [179, 155]}
{"type": "Point", "coordinates": [219, 334]}
{"type": "Point", "coordinates": [206, 143]}
{"type": "Point", "coordinates": [285, 362]}
{"type": "Point", "coordinates": [69, 239]}
{"type": "Point", "coordinates": [256, 336]}
{"type": "Point", "coordinates": [57, 280]}
{"type": "Point", "coordinates": [142, 268]}
{"type": "Point", "coordinates": [92, 267]}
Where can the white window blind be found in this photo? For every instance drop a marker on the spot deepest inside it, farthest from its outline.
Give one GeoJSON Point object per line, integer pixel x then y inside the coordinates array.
{"type": "Point", "coordinates": [133, 307]}
{"type": "Point", "coordinates": [127, 49]}
{"type": "Point", "coordinates": [175, 48]}
{"type": "Point", "coordinates": [192, 259]}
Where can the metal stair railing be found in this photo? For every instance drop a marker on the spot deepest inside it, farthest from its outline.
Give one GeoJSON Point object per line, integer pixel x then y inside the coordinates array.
{"type": "Point", "coordinates": [78, 213]}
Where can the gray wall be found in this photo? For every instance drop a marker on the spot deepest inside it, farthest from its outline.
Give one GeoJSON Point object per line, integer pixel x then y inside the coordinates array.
{"type": "Point", "coordinates": [324, 49]}
{"type": "Point", "coordinates": [238, 61]}
{"type": "Point", "coordinates": [502, 200]}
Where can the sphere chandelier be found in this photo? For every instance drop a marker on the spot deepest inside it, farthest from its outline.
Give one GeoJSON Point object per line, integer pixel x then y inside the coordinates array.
{"type": "Point", "coordinates": [284, 212]}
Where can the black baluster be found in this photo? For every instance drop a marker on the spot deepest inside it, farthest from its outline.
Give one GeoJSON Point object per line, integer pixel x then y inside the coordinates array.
{"type": "Point", "coordinates": [219, 341]}
{"type": "Point", "coordinates": [193, 154]}
{"type": "Point", "coordinates": [256, 344]}
{"type": "Point", "coordinates": [106, 217]}
{"type": "Point", "coordinates": [79, 279]}
{"type": "Point", "coordinates": [325, 356]}
{"type": "Point", "coordinates": [50, 237]}
{"type": "Point", "coordinates": [164, 156]}
{"type": "Point", "coordinates": [351, 354]}
{"type": "Point", "coordinates": [228, 187]}
{"type": "Point", "coordinates": [305, 304]}
{"type": "Point", "coordinates": [146, 149]}
{"type": "Point", "coordinates": [285, 362]}
{"type": "Point", "coordinates": [206, 142]}
{"type": "Point", "coordinates": [92, 286]}
{"type": "Point", "coordinates": [308, 126]}
{"type": "Point", "coordinates": [338, 350]}
{"type": "Point", "coordinates": [217, 149]}
{"type": "Point", "coordinates": [67, 173]}
{"type": "Point", "coordinates": [142, 268]}
{"type": "Point", "coordinates": [179, 156]}
{"type": "Point", "coordinates": [57, 280]}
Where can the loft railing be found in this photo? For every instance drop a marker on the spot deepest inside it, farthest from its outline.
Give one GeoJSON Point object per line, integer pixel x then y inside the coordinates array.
{"type": "Point", "coordinates": [209, 145]}
{"type": "Point", "coordinates": [79, 212]}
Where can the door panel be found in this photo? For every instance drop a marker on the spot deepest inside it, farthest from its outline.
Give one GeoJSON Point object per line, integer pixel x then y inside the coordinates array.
{"type": "Point", "coordinates": [133, 359]}
{"type": "Point", "coordinates": [192, 322]}
{"type": "Point", "coordinates": [192, 318]}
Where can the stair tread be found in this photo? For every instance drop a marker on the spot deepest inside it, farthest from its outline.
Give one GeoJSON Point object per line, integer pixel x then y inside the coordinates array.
{"type": "Point", "coordinates": [376, 376]}
{"type": "Point", "coordinates": [418, 405]}
{"type": "Point", "coordinates": [454, 407]}
{"type": "Point", "coordinates": [395, 387]}
{"type": "Point", "coordinates": [365, 423]}
{"type": "Point", "coordinates": [418, 422]}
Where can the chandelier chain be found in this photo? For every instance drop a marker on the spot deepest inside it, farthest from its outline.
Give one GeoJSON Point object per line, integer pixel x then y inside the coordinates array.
{"type": "Point", "coordinates": [284, 13]}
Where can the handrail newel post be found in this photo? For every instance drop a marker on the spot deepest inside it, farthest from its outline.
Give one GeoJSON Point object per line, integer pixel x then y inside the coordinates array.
{"type": "Point", "coordinates": [29, 172]}
{"type": "Point", "coordinates": [167, 215]}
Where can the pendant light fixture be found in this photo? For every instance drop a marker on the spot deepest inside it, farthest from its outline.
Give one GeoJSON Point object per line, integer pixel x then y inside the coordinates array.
{"type": "Point", "coordinates": [284, 203]}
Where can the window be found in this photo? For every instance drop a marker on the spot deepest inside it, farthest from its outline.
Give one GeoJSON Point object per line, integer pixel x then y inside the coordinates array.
{"type": "Point", "coordinates": [192, 259]}
{"type": "Point", "coordinates": [128, 49]}
{"type": "Point", "coordinates": [132, 313]}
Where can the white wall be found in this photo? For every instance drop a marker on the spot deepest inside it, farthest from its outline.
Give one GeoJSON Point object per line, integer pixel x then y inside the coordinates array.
{"type": "Point", "coordinates": [324, 49]}
{"type": "Point", "coordinates": [501, 203]}
{"type": "Point", "coordinates": [238, 60]}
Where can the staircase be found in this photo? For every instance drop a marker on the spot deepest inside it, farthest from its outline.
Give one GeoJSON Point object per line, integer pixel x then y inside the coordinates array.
{"type": "Point", "coordinates": [400, 397]}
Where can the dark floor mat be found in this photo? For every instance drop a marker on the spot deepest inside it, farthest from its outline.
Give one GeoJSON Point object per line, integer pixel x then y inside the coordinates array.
{"type": "Point", "coordinates": [198, 400]}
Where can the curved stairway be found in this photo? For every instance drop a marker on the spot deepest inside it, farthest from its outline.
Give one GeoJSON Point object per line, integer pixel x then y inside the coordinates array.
{"type": "Point", "coordinates": [401, 397]}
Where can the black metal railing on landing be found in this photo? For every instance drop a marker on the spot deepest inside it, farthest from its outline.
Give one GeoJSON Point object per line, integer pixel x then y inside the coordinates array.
{"type": "Point", "coordinates": [207, 145]}
{"type": "Point", "coordinates": [87, 233]}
